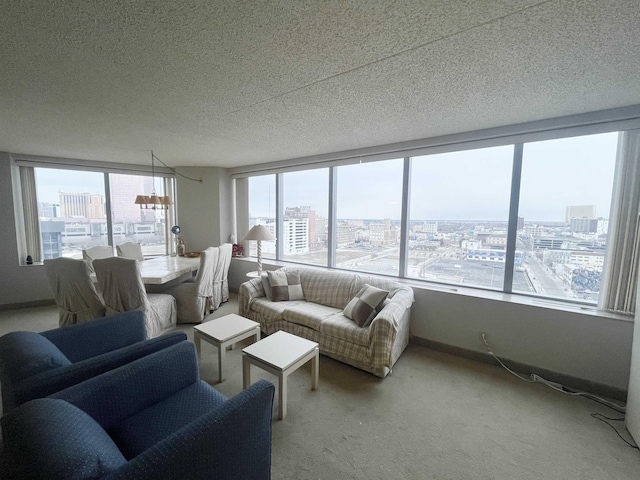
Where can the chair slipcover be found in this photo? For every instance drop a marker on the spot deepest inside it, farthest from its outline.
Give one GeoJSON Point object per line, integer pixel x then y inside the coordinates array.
{"type": "Point", "coordinates": [100, 251]}
{"type": "Point", "coordinates": [220, 274]}
{"type": "Point", "coordinates": [194, 299]}
{"type": "Point", "coordinates": [73, 291]}
{"type": "Point", "coordinates": [35, 365]}
{"type": "Point", "coordinates": [150, 419]}
{"type": "Point", "coordinates": [130, 250]}
{"type": "Point", "coordinates": [123, 290]}
{"type": "Point", "coordinates": [226, 250]}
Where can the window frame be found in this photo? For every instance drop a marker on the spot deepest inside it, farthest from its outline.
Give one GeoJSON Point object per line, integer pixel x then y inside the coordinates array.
{"type": "Point", "coordinates": [614, 120]}
{"type": "Point", "coordinates": [163, 174]}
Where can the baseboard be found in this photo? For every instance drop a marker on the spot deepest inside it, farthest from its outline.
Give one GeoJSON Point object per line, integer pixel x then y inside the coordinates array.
{"type": "Point", "coordinates": [581, 384]}
{"type": "Point", "coordinates": [36, 303]}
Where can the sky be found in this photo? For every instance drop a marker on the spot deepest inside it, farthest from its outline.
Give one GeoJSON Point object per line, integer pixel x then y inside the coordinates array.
{"type": "Point", "coordinates": [468, 185]}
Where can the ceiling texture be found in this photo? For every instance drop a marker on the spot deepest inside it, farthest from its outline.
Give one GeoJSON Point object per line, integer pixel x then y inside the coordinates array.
{"type": "Point", "coordinates": [233, 83]}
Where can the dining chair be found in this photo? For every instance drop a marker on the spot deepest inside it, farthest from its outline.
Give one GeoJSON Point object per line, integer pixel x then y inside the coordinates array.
{"type": "Point", "coordinates": [130, 250]}
{"type": "Point", "coordinates": [74, 292]}
{"type": "Point", "coordinates": [122, 288]}
{"type": "Point", "coordinates": [194, 299]}
{"type": "Point", "coordinates": [226, 250]}
{"type": "Point", "coordinates": [220, 274]}
{"type": "Point", "coordinates": [99, 251]}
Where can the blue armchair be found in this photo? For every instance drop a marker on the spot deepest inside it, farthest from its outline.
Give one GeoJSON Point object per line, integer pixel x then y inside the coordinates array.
{"type": "Point", "coordinates": [150, 419]}
{"type": "Point", "coordinates": [34, 365]}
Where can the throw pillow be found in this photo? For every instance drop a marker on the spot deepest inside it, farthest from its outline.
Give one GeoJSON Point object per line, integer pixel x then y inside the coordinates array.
{"type": "Point", "coordinates": [285, 285]}
{"type": "Point", "coordinates": [364, 307]}
{"type": "Point", "coordinates": [266, 285]}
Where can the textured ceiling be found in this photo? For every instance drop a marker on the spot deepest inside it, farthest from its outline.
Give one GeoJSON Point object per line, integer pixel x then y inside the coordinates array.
{"type": "Point", "coordinates": [231, 83]}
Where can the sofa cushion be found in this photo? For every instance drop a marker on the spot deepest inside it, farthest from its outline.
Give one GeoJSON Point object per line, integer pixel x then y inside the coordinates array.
{"type": "Point", "coordinates": [367, 303]}
{"type": "Point", "coordinates": [51, 438]}
{"type": "Point", "coordinates": [339, 326]}
{"type": "Point", "coordinates": [308, 314]}
{"type": "Point", "coordinates": [333, 289]}
{"type": "Point", "coordinates": [285, 285]}
{"type": "Point", "coordinates": [28, 353]}
{"type": "Point", "coordinates": [272, 311]}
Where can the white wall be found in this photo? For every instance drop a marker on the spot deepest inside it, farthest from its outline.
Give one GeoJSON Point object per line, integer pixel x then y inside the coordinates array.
{"type": "Point", "coordinates": [18, 283]}
{"type": "Point", "coordinates": [205, 210]}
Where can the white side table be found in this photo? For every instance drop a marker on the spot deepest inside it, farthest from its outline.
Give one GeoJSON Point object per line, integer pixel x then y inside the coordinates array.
{"type": "Point", "coordinates": [223, 332]}
{"type": "Point", "coordinates": [254, 274]}
{"type": "Point", "coordinates": [281, 354]}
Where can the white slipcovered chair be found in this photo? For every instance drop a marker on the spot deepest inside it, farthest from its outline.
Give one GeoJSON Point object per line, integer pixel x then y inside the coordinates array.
{"type": "Point", "coordinates": [122, 288]}
{"type": "Point", "coordinates": [73, 291]}
{"type": "Point", "coordinates": [220, 274]}
{"type": "Point", "coordinates": [130, 250]}
{"type": "Point", "coordinates": [226, 250]}
{"type": "Point", "coordinates": [99, 251]}
{"type": "Point", "coordinates": [194, 299]}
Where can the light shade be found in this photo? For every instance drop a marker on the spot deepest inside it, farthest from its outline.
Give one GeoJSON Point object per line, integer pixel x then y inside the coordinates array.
{"type": "Point", "coordinates": [259, 232]}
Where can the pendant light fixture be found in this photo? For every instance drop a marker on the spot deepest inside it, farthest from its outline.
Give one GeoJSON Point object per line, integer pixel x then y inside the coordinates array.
{"type": "Point", "coordinates": [153, 202]}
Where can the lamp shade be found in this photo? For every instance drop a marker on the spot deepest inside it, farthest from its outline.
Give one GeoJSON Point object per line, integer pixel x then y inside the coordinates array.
{"type": "Point", "coordinates": [259, 232]}
{"type": "Point", "coordinates": [140, 200]}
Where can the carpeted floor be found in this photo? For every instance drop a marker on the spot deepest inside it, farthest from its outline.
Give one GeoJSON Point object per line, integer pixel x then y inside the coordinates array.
{"type": "Point", "coordinates": [436, 416]}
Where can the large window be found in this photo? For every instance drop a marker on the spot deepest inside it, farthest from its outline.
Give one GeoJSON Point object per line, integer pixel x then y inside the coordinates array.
{"type": "Point", "coordinates": [305, 214]}
{"type": "Point", "coordinates": [71, 208]}
{"type": "Point", "coordinates": [565, 199]}
{"type": "Point", "coordinates": [72, 212]}
{"type": "Point", "coordinates": [459, 212]}
{"type": "Point", "coordinates": [262, 211]}
{"type": "Point", "coordinates": [369, 207]}
{"type": "Point", "coordinates": [529, 218]}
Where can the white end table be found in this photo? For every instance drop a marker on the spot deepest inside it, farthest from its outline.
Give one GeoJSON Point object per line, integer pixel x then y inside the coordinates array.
{"type": "Point", "coordinates": [223, 332]}
{"type": "Point", "coordinates": [281, 354]}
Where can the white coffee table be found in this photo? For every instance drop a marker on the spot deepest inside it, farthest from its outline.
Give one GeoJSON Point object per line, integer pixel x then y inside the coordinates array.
{"type": "Point", "coordinates": [281, 354]}
{"type": "Point", "coordinates": [223, 332]}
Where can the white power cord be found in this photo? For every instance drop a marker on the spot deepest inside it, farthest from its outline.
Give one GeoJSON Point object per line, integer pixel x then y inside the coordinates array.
{"type": "Point", "coordinates": [555, 386]}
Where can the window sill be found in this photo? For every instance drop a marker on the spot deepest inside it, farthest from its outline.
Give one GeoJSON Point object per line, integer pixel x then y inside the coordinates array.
{"type": "Point", "coordinates": [520, 299]}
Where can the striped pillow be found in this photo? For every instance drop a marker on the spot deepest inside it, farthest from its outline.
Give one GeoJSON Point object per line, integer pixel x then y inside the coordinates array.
{"type": "Point", "coordinates": [285, 285]}
{"type": "Point", "coordinates": [364, 307]}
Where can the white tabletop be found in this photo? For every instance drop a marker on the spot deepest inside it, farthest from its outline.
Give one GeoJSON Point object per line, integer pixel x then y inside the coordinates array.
{"type": "Point", "coordinates": [280, 349]}
{"type": "Point", "coordinates": [159, 270]}
{"type": "Point", "coordinates": [223, 328]}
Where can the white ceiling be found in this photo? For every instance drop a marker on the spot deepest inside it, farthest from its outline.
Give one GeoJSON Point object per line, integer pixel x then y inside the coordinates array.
{"type": "Point", "coordinates": [231, 83]}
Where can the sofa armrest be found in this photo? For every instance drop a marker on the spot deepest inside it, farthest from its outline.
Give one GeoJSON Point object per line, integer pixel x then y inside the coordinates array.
{"type": "Point", "coordinates": [86, 340]}
{"type": "Point", "coordinates": [52, 381]}
{"type": "Point", "coordinates": [127, 390]}
{"type": "Point", "coordinates": [385, 327]}
{"type": "Point", "coordinates": [232, 441]}
{"type": "Point", "coordinates": [247, 292]}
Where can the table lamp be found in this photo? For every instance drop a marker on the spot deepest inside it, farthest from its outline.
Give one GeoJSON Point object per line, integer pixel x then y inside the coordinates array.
{"type": "Point", "coordinates": [259, 233]}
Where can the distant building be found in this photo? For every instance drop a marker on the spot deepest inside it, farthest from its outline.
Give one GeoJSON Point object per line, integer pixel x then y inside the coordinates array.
{"type": "Point", "coordinates": [345, 234]}
{"type": "Point", "coordinates": [579, 211]}
{"type": "Point", "coordinates": [520, 223]}
{"type": "Point", "coordinates": [81, 205]}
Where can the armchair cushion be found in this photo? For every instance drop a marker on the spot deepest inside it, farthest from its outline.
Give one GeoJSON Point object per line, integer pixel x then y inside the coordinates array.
{"type": "Point", "coordinates": [29, 353]}
{"type": "Point", "coordinates": [35, 456]}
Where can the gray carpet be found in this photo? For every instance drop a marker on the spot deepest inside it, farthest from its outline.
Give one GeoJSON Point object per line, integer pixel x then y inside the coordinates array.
{"type": "Point", "coordinates": [436, 416]}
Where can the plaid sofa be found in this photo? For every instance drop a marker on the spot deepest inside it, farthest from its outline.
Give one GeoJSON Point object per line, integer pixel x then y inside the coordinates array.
{"type": "Point", "coordinates": [319, 317]}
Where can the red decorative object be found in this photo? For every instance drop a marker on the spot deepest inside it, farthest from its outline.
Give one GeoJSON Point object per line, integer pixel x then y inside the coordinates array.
{"type": "Point", "coordinates": [236, 250]}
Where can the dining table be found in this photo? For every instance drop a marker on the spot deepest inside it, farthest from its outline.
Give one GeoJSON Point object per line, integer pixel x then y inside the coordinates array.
{"type": "Point", "coordinates": [161, 270]}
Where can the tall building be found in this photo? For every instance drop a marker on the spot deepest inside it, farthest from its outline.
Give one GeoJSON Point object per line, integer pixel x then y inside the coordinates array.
{"type": "Point", "coordinates": [81, 205]}
{"type": "Point", "coordinates": [579, 211]}
{"type": "Point", "coordinates": [124, 189]}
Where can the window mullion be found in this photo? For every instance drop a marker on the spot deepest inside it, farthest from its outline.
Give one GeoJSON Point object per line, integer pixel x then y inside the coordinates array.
{"type": "Point", "coordinates": [279, 216]}
{"type": "Point", "coordinates": [331, 226]}
{"type": "Point", "coordinates": [404, 218]}
{"type": "Point", "coordinates": [107, 195]}
{"type": "Point", "coordinates": [512, 229]}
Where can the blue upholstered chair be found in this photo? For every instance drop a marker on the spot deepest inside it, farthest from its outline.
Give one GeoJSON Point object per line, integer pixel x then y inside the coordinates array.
{"type": "Point", "coordinates": [34, 365]}
{"type": "Point", "coordinates": [150, 419]}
